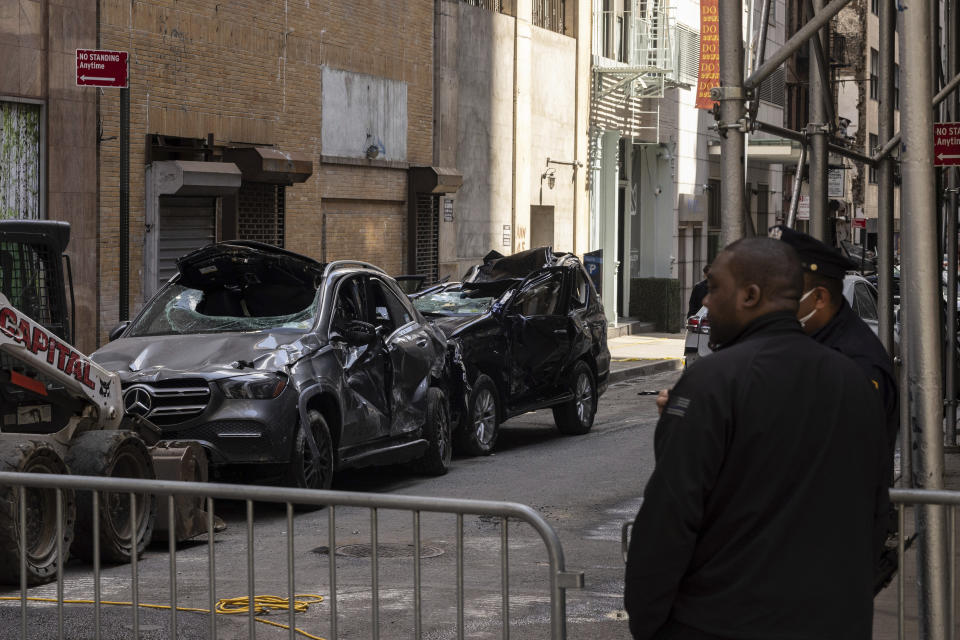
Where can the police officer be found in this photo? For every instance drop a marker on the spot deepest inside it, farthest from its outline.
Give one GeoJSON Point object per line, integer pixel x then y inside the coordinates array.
{"type": "Point", "coordinates": [827, 318]}
{"type": "Point", "coordinates": [765, 513]}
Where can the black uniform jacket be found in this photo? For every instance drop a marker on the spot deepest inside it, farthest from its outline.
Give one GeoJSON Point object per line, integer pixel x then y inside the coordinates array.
{"type": "Point", "coordinates": [697, 294]}
{"type": "Point", "coordinates": [765, 514]}
{"type": "Point", "coordinates": [852, 337]}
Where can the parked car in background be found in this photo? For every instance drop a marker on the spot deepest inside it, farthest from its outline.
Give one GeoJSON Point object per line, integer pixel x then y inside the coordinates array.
{"type": "Point", "coordinates": [860, 294]}
{"type": "Point", "coordinates": [524, 332]}
{"type": "Point", "coordinates": [286, 368]}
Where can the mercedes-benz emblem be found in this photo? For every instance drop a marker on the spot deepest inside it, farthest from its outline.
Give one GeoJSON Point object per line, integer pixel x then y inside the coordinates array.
{"type": "Point", "coordinates": [137, 401]}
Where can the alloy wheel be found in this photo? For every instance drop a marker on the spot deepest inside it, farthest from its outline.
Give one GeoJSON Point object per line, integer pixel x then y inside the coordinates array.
{"type": "Point", "coordinates": [485, 416]}
{"type": "Point", "coordinates": [584, 398]}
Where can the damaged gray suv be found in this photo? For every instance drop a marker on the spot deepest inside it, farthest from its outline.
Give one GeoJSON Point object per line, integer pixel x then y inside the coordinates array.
{"type": "Point", "coordinates": [286, 368]}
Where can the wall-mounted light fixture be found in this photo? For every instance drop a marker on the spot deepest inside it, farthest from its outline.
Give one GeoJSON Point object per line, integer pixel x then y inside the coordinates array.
{"type": "Point", "coordinates": [550, 175]}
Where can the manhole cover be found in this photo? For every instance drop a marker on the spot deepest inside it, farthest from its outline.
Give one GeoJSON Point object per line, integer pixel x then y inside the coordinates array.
{"type": "Point", "coordinates": [384, 550]}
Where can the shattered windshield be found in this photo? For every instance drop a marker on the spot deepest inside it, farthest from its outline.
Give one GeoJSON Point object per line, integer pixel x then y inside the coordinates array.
{"type": "Point", "coordinates": [179, 309]}
{"type": "Point", "coordinates": [464, 298]}
{"type": "Point", "coordinates": [455, 301]}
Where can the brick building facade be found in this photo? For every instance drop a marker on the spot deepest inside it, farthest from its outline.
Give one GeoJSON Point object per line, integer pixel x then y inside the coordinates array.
{"type": "Point", "coordinates": [252, 74]}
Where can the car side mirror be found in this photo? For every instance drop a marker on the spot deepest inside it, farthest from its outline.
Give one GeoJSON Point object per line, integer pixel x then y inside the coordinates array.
{"type": "Point", "coordinates": [118, 330]}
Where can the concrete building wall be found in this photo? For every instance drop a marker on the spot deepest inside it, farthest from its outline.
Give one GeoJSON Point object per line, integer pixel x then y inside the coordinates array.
{"type": "Point", "coordinates": [253, 73]}
{"type": "Point", "coordinates": [507, 101]}
{"type": "Point", "coordinates": [553, 122]}
{"type": "Point", "coordinates": [38, 41]}
{"type": "Point", "coordinates": [484, 153]}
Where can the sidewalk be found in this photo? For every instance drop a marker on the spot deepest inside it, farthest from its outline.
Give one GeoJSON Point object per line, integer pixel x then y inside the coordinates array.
{"type": "Point", "coordinates": [643, 354]}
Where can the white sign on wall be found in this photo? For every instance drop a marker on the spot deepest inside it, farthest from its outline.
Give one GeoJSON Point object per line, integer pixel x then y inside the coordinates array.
{"type": "Point", "coordinates": [836, 183]}
{"type": "Point", "coordinates": [803, 208]}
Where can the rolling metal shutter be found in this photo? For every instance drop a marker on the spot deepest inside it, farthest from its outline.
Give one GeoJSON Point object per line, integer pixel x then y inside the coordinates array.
{"type": "Point", "coordinates": [427, 245]}
{"type": "Point", "coordinates": [185, 224]}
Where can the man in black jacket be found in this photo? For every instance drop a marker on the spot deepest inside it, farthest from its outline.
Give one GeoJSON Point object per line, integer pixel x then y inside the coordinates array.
{"type": "Point", "coordinates": [697, 294]}
{"type": "Point", "coordinates": [766, 511]}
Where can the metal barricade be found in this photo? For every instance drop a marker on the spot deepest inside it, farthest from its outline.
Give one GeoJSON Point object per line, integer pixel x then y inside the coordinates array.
{"type": "Point", "coordinates": [949, 500]}
{"type": "Point", "coordinates": [559, 578]}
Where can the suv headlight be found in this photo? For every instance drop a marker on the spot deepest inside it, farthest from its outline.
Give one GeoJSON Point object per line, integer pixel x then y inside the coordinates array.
{"type": "Point", "coordinates": [255, 386]}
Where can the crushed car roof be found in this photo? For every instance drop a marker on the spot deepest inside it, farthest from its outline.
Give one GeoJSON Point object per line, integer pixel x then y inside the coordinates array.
{"type": "Point", "coordinates": [248, 262]}
{"type": "Point", "coordinates": [496, 266]}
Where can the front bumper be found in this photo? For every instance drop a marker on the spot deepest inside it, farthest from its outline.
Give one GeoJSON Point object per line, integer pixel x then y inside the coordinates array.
{"type": "Point", "coordinates": [238, 431]}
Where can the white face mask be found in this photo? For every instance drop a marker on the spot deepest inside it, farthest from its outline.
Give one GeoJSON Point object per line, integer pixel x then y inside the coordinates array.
{"type": "Point", "coordinates": [804, 319]}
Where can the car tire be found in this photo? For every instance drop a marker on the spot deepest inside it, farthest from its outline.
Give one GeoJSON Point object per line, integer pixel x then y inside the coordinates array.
{"type": "Point", "coordinates": [481, 422]}
{"type": "Point", "coordinates": [575, 417]}
{"type": "Point", "coordinates": [437, 433]}
{"type": "Point", "coordinates": [31, 456]}
{"type": "Point", "coordinates": [307, 471]}
{"type": "Point", "coordinates": [113, 454]}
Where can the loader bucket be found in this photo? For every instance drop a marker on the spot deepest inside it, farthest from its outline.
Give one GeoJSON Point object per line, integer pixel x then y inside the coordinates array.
{"type": "Point", "coordinates": [185, 461]}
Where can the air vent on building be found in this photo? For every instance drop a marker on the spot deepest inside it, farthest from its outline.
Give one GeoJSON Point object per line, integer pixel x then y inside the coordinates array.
{"type": "Point", "coordinates": [772, 89]}
{"type": "Point", "coordinates": [261, 212]}
{"type": "Point", "coordinates": [688, 55]}
{"type": "Point", "coordinates": [428, 236]}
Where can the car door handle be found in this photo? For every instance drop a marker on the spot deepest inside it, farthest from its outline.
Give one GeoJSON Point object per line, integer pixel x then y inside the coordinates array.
{"type": "Point", "coordinates": [560, 332]}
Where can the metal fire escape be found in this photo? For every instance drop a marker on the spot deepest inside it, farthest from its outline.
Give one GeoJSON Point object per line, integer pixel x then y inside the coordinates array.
{"type": "Point", "coordinates": [634, 61]}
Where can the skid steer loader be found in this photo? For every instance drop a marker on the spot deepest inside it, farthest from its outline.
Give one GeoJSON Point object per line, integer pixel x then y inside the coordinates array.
{"type": "Point", "coordinates": [61, 413]}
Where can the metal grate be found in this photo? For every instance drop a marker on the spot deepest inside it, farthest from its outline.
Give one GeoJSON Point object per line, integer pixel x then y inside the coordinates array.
{"type": "Point", "coordinates": [261, 213]}
{"type": "Point", "coordinates": [489, 5]}
{"type": "Point", "coordinates": [31, 284]}
{"type": "Point", "coordinates": [549, 14]}
{"type": "Point", "coordinates": [428, 236]}
{"type": "Point", "coordinates": [772, 89]}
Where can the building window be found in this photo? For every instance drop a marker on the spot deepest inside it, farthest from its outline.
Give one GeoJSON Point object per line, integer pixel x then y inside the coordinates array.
{"type": "Point", "coordinates": [20, 161]}
{"type": "Point", "coordinates": [873, 170]}
{"type": "Point", "coordinates": [489, 5]}
{"type": "Point", "coordinates": [549, 14]}
{"type": "Point", "coordinates": [874, 73]}
{"type": "Point", "coordinates": [896, 86]}
{"type": "Point", "coordinates": [875, 7]}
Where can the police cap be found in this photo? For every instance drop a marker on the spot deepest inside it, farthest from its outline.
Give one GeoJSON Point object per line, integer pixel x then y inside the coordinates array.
{"type": "Point", "coordinates": [815, 256]}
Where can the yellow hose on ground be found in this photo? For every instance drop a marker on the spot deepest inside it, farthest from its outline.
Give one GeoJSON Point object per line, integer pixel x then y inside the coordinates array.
{"type": "Point", "coordinates": [225, 606]}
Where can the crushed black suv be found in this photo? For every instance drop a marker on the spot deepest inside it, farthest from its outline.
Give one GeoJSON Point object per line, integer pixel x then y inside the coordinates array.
{"type": "Point", "coordinates": [277, 363]}
{"type": "Point", "coordinates": [524, 332]}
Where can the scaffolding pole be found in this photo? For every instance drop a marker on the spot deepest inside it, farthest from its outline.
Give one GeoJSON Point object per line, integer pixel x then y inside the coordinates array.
{"type": "Point", "coordinates": [797, 184]}
{"type": "Point", "coordinates": [921, 277]}
{"type": "Point", "coordinates": [888, 27]}
{"type": "Point", "coordinates": [731, 94]}
{"type": "Point", "coordinates": [818, 128]}
{"type": "Point", "coordinates": [791, 46]}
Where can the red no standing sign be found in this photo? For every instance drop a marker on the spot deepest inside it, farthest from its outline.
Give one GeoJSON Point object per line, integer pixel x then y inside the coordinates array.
{"type": "Point", "coordinates": [946, 144]}
{"type": "Point", "coordinates": [101, 68]}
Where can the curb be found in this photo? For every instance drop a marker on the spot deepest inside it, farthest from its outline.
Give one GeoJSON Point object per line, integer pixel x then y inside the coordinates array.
{"type": "Point", "coordinates": [645, 370]}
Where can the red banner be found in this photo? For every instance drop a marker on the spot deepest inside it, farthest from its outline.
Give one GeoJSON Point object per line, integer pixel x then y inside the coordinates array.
{"type": "Point", "coordinates": [709, 72]}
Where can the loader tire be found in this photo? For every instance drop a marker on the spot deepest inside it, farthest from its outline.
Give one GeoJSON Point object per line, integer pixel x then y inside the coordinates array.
{"type": "Point", "coordinates": [41, 509]}
{"type": "Point", "coordinates": [113, 454]}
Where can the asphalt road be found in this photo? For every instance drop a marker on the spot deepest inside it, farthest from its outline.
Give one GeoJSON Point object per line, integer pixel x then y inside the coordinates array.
{"type": "Point", "coordinates": [584, 486]}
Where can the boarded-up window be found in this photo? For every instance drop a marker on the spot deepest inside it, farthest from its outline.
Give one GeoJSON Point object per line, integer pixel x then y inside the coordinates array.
{"type": "Point", "coordinates": [19, 161]}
